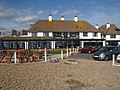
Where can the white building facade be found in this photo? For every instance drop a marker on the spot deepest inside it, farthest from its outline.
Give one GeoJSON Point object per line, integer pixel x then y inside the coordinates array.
{"type": "Point", "coordinates": [72, 33]}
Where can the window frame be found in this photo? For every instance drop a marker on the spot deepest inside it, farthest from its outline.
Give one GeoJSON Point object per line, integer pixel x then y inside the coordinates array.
{"type": "Point", "coordinates": [112, 36]}
{"type": "Point", "coordinates": [45, 34]}
{"type": "Point", "coordinates": [95, 34]}
{"type": "Point", "coordinates": [85, 34]}
{"type": "Point", "coordinates": [34, 34]}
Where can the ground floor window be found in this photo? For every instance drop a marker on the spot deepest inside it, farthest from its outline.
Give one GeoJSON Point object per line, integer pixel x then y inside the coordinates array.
{"type": "Point", "coordinates": [65, 44]}
{"type": "Point", "coordinates": [113, 43]}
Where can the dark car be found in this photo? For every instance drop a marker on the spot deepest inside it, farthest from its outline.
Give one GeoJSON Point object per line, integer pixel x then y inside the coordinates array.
{"type": "Point", "coordinates": [106, 53]}
{"type": "Point", "coordinates": [88, 49]}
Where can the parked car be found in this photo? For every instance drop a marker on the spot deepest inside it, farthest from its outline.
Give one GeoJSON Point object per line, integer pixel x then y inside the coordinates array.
{"type": "Point", "coordinates": [105, 53]}
{"type": "Point", "coordinates": [88, 49]}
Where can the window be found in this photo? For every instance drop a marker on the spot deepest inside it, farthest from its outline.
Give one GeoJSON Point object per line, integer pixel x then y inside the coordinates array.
{"type": "Point", "coordinates": [57, 35]}
{"type": "Point", "coordinates": [95, 34]}
{"type": "Point", "coordinates": [85, 34]}
{"type": "Point", "coordinates": [46, 34]}
{"type": "Point", "coordinates": [34, 34]}
{"type": "Point", "coordinates": [113, 36]}
{"type": "Point", "coordinates": [73, 34]}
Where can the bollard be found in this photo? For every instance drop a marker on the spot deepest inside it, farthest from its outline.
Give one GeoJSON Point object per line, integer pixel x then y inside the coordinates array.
{"type": "Point", "coordinates": [15, 57]}
{"type": "Point", "coordinates": [67, 51]}
{"type": "Point", "coordinates": [113, 62]}
{"type": "Point", "coordinates": [73, 50]}
{"type": "Point", "coordinates": [77, 49]}
{"type": "Point", "coordinates": [61, 54]}
{"type": "Point", "coordinates": [45, 55]}
{"type": "Point", "coordinates": [70, 51]}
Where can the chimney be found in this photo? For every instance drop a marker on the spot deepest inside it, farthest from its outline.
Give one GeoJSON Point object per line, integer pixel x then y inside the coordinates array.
{"type": "Point", "coordinates": [50, 17]}
{"type": "Point", "coordinates": [62, 18]}
{"type": "Point", "coordinates": [107, 25]}
{"type": "Point", "coordinates": [96, 26]}
{"type": "Point", "coordinates": [76, 18]}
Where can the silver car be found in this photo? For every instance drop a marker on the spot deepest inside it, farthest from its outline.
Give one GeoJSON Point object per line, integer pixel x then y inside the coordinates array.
{"type": "Point", "coordinates": [118, 58]}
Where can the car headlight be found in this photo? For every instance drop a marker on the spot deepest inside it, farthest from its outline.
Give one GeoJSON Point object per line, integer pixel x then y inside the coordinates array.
{"type": "Point", "coordinates": [102, 55]}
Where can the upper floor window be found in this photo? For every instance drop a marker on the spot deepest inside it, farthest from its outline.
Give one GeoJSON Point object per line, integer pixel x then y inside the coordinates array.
{"type": "Point", "coordinates": [34, 34]}
{"type": "Point", "coordinates": [46, 34]}
{"type": "Point", "coordinates": [85, 34]}
{"type": "Point", "coordinates": [113, 36]}
{"type": "Point", "coordinates": [95, 34]}
{"type": "Point", "coordinates": [57, 34]}
{"type": "Point", "coordinates": [72, 34]}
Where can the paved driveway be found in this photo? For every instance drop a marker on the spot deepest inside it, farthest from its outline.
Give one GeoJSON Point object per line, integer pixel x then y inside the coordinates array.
{"type": "Point", "coordinates": [83, 56]}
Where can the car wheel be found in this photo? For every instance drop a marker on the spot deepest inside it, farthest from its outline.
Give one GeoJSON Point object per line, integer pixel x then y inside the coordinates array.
{"type": "Point", "coordinates": [89, 51]}
{"type": "Point", "coordinates": [106, 58]}
{"type": "Point", "coordinates": [118, 61]}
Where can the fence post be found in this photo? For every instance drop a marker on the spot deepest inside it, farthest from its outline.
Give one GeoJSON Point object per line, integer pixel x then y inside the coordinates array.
{"type": "Point", "coordinates": [45, 55]}
{"type": "Point", "coordinates": [15, 57]}
{"type": "Point", "coordinates": [70, 51]}
{"type": "Point", "coordinates": [73, 49]}
{"type": "Point", "coordinates": [77, 48]}
{"type": "Point", "coordinates": [67, 51]}
{"type": "Point", "coordinates": [61, 54]}
{"type": "Point", "coordinates": [113, 61]}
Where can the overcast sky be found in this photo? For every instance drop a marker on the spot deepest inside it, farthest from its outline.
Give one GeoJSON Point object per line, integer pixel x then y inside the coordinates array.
{"type": "Point", "coordinates": [19, 14]}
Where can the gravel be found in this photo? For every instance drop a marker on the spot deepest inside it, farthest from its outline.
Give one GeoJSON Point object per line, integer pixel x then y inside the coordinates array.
{"type": "Point", "coordinates": [86, 75]}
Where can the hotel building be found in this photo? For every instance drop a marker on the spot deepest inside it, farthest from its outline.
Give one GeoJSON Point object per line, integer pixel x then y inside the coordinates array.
{"type": "Point", "coordinates": [62, 33]}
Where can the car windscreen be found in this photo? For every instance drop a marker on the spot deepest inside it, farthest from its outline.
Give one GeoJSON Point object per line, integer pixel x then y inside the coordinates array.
{"type": "Point", "coordinates": [106, 48]}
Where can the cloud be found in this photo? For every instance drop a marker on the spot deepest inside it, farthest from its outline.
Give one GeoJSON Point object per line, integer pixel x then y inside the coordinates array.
{"type": "Point", "coordinates": [55, 12]}
{"type": "Point", "coordinates": [24, 22]}
{"type": "Point", "coordinates": [6, 12]}
{"type": "Point", "coordinates": [72, 12]}
{"type": "Point", "coordinates": [40, 12]}
{"type": "Point", "coordinates": [11, 13]}
{"type": "Point", "coordinates": [101, 17]}
{"type": "Point", "coordinates": [2, 28]}
{"type": "Point", "coordinates": [26, 19]}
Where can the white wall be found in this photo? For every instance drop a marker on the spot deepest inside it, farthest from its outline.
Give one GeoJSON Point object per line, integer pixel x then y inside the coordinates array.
{"type": "Point", "coordinates": [90, 36]}
{"type": "Point", "coordinates": [117, 37]}
{"type": "Point", "coordinates": [40, 34]}
{"type": "Point", "coordinates": [50, 34]}
{"type": "Point", "coordinates": [29, 34]}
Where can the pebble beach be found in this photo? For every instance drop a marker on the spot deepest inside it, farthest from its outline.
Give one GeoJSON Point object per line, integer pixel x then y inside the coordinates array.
{"type": "Point", "coordinates": [86, 75]}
